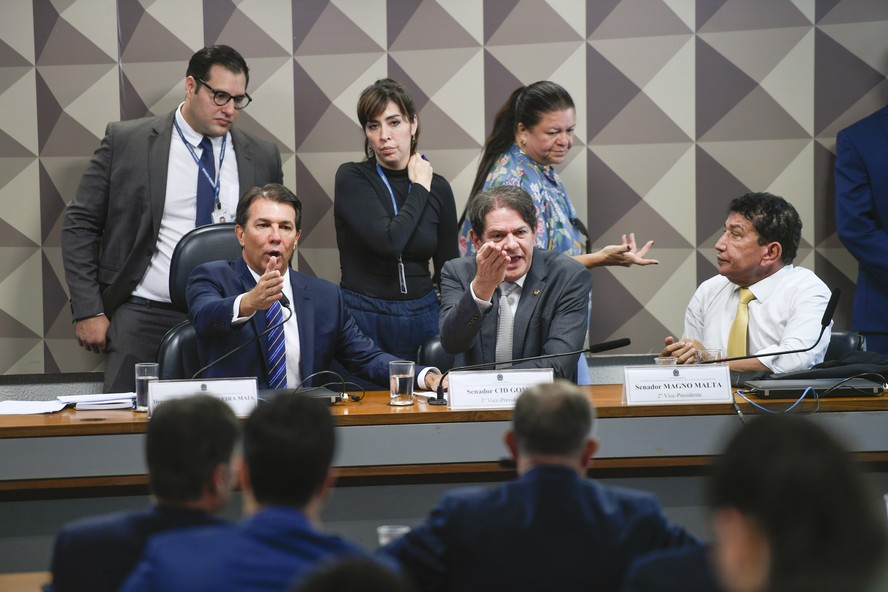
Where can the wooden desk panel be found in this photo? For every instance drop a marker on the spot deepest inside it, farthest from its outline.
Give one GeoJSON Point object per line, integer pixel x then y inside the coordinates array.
{"type": "Point", "coordinates": [105, 448]}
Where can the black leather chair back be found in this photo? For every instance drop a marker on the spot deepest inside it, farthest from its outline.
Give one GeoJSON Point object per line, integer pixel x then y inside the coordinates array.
{"type": "Point", "coordinates": [843, 342]}
{"type": "Point", "coordinates": [431, 353]}
{"type": "Point", "coordinates": [201, 245]}
{"type": "Point", "coordinates": [178, 357]}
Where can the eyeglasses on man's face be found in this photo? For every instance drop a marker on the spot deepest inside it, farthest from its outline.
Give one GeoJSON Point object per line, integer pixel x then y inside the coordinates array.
{"type": "Point", "coordinates": [221, 98]}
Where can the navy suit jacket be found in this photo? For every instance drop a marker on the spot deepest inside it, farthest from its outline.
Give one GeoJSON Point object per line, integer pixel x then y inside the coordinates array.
{"type": "Point", "coordinates": [685, 569]}
{"type": "Point", "coordinates": [264, 553]}
{"type": "Point", "coordinates": [552, 314]}
{"type": "Point", "coordinates": [548, 530]}
{"type": "Point", "coordinates": [326, 330]}
{"type": "Point", "coordinates": [862, 215]}
{"type": "Point", "coordinates": [97, 553]}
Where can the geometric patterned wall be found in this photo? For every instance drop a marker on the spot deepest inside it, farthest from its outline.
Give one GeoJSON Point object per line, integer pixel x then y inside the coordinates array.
{"type": "Point", "coordinates": [681, 106]}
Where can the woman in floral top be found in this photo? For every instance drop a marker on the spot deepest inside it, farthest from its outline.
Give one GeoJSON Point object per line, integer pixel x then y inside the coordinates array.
{"type": "Point", "coordinates": [532, 132]}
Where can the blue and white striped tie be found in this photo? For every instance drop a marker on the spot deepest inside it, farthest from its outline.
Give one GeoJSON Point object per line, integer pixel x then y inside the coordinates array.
{"type": "Point", "coordinates": [277, 353]}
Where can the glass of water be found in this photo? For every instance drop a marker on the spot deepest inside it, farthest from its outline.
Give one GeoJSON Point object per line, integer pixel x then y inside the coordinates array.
{"type": "Point", "coordinates": [145, 373]}
{"type": "Point", "coordinates": [401, 375]}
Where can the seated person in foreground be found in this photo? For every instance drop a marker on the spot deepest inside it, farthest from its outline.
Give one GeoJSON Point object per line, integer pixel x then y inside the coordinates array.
{"type": "Point", "coordinates": [682, 569]}
{"type": "Point", "coordinates": [189, 448]}
{"type": "Point", "coordinates": [759, 303]}
{"type": "Point", "coordinates": [512, 300]}
{"type": "Point", "coordinates": [288, 448]}
{"type": "Point", "coordinates": [551, 529]}
{"type": "Point", "coordinates": [231, 302]}
{"type": "Point", "coordinates": [792, 512]}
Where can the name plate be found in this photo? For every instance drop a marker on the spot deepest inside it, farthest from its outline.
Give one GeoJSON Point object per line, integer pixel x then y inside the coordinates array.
{"type": "Point", "coordinates": [493, 389]}
{"type": "Point", "coordinates": [677, 385]}
{"type": "Point", "coordinates": [239, 393]}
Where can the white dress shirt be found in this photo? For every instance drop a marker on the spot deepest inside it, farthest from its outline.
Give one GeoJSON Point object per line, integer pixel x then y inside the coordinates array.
{"type": "Point", "coordinates": [180, 204]}
{"type": "Point", "coordinates": [785, 315]}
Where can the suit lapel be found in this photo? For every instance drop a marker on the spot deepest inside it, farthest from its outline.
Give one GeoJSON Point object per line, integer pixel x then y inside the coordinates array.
{"type": "Point", "coordinates": [158, 165]}
{"type": "Point", "coordinates": [303, 308]}
{"type": "Point", "coordinates": [534, 284]}
{"type": "Point", "coordinates": [243, 153]}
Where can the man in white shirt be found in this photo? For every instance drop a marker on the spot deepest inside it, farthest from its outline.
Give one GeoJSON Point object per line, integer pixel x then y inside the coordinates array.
{"type": "Point", "coordinates": [151, 181]}
{"type": "Point", "coordinates": [783, 304]}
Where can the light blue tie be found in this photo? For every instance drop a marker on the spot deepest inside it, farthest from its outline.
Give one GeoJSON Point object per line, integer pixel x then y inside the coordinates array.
{"type": "Point", "coordinates": [277, 352]}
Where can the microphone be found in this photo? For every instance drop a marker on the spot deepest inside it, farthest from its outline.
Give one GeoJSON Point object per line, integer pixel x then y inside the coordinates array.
{"type": "Point", "coordinates": [592, 349]}
{"type": "Point", "coordinates": [824, 322]}
{"type": "Point", "coordinates": [285, 303]}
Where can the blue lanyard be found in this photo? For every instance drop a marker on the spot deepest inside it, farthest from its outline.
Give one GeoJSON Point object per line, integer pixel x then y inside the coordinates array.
{"type": "Point", "coordinates": [389, 187]}
{"type": "Point", "coordinates": [402, 277]}
{"type": "Point", "coordinates": [217, 181]}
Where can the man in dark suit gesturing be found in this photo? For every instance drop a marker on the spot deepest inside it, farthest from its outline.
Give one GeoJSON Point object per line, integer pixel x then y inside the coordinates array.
{"type": "Point", "coordinates": [551, 529]}
{"type": "Point", "coordinates": [512, 300]}
{"type": "Point", "coordinates": [151, 181]}
{"type": "Point", "coordinates": [231, 302]}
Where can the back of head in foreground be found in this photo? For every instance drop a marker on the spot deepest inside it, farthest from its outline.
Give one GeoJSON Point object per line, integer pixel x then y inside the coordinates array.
{"type": "Point", "coordinates": [189, 447]}
{"type": "Point", "coordinates": [792, 512]}
{"type": "Point", "coordinates": [552, 424]}
{"type": "Point", "coordinates": [288, 447]}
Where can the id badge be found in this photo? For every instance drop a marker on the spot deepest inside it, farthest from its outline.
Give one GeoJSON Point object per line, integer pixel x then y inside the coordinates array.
{"type": "Point", "coordinates": [221, 215]}
{"type": "Point", "coordinates": [402, 277]}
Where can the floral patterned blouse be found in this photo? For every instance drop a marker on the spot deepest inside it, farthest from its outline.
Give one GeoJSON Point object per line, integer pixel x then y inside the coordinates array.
{"type": "Point", "coordinates": [556, 230]}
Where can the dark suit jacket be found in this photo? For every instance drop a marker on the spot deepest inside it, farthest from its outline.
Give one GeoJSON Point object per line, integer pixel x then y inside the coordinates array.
{"type": "Point", "coordinates": [684, 569]}
{"type": "Point", "coordinates": [326, 330]}
{"type": "Point", "coordinates": [548, 530]}
{"type": "Point", "coordinates": [862, 215]}
{"type": "Point", "coordinates": [112, 224]}
{"type": "Point", "coordinates": [98, 553]}
{"type": "Point", "coordinates": [265, 552]}
{"type": "Point", "coordinates": [552, 314]}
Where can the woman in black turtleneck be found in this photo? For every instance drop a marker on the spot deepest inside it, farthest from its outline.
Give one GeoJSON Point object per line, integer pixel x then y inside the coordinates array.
{"type": "Point", "coordinates": [393, 215]}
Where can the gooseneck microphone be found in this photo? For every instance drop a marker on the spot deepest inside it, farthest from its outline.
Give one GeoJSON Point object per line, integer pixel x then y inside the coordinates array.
{"type": "Point", "coordinates": [824, 322]}
{"type": "Point", "coordinates": [592, 349]}
{"type": "Point", "coordinates": [285, 302]}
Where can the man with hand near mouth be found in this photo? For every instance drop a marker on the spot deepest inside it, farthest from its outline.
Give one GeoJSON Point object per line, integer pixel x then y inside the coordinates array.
{"type": "Point", "coordinates": [759, 303]}
{"type": "Point", "coordinates": [231, 302]}
{"type": "Point", "coordinates": [512, 300]}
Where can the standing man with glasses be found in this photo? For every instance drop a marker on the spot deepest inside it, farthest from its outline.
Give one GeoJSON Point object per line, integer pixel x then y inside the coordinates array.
{"type": "Point", "coordinates": [151, 181]}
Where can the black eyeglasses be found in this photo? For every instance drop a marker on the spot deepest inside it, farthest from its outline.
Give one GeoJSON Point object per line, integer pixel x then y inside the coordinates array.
{"type": "Point", "coordinates": [221, 98]}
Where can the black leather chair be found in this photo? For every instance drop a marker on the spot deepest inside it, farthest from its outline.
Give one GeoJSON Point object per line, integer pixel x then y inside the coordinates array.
{"type": "Point", "coordinates": [843, 342]}
{"type": "Point", "coordinates": [431, 353]}
{"type": "Point", "coordinates": [178, 357]}
{"type": "Point", "coordinates": [201, 245]}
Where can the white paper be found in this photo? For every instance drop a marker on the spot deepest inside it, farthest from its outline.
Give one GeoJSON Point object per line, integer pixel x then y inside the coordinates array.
{"type": "Point", "coordinates": [677, 385]}
{"type": "Point", "coordinates": [493, 389]}
{"type": "Point", "coordinates": [30, 407]}
{"type": "Point", "coordinates": [97, 398]}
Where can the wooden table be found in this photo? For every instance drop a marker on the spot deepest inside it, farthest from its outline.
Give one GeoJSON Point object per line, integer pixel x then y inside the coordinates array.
{"type": "Point", "coordinates": [95, 449]}
{"type": "Point", "coordinates": [31, 581]}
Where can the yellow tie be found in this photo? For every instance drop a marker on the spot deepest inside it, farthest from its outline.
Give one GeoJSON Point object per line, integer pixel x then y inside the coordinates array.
{"type": "Point", "coordinates": [737, 336]}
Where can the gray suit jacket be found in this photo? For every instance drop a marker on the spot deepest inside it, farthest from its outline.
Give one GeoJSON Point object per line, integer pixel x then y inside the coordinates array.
{"type": "Point", "coordinates": [552, 314]}
{"type": "Point", "coordinates": [111, 226]}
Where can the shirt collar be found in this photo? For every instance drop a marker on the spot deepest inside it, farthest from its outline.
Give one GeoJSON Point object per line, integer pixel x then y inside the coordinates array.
{"type": "Point", "coordinates": [767, 286]}
{"type": "Point", "coordinates": [191, 136]}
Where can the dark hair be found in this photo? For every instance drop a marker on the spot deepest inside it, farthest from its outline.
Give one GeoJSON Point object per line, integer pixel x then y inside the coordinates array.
{"type": "Point", "coordinates": [553, 419]}
{"type": "Point", "coordinates": [773, 218]}
{"type": "Point", "coordinates": [187, 439]}
{"type": "Point", "coordinates": [373, 101]}
{"type": "Point", "coordinates": [272, 191]}
{"type": "Point", "coordinates": [200, 63]}
{"type": "Point", "coordinates": [800, 486]}
{"type": "Point", "coordinates": [526, 105]}
{"type": "Point", "coordinates": [353, 573]}
{"type": "Point", "coordinates": [501, 196]}
{"type": "Point", "coordinates": [288, 447]}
